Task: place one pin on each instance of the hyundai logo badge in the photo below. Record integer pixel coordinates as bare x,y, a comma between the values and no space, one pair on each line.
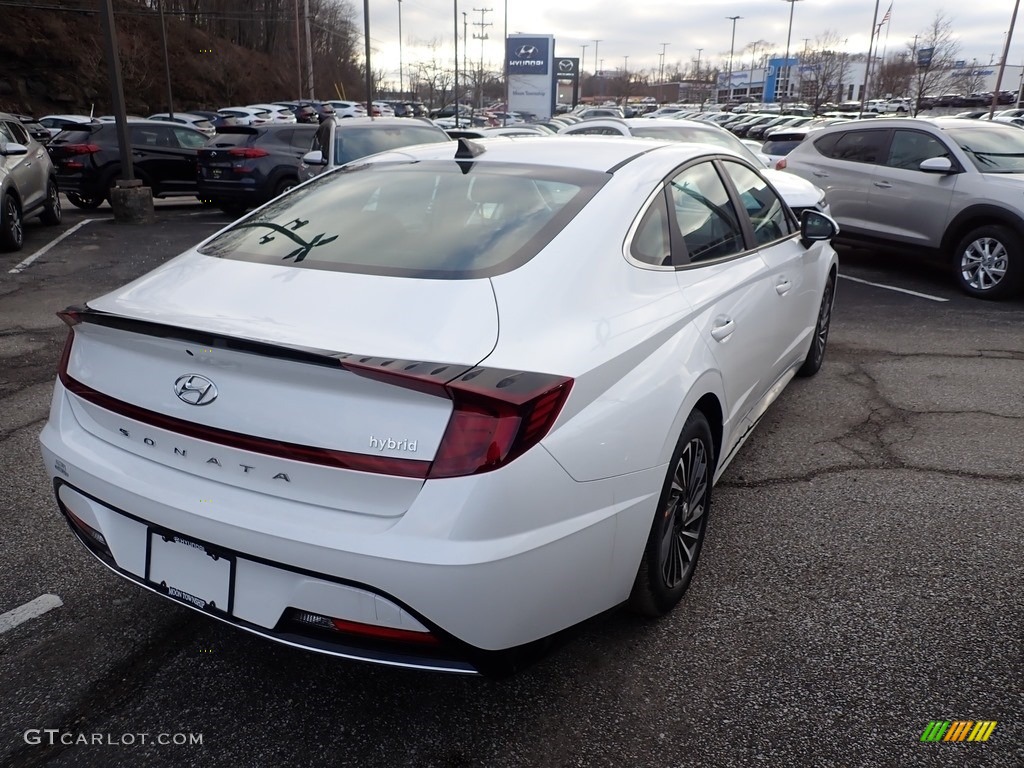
195,389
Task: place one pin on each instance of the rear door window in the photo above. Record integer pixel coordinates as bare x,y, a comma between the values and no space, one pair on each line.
867,146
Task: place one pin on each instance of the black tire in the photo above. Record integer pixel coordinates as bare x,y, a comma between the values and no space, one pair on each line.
12,228
52,212
680,522
284,185
816,354
84,202
988,262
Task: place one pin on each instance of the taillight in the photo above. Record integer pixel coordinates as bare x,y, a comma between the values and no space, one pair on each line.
81,149
247,152
71,317
497,415
781,164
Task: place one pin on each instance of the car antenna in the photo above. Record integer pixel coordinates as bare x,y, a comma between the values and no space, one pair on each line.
466,151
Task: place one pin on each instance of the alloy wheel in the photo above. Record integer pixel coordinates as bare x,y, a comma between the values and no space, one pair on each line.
824,318
13,217
683,515
983,263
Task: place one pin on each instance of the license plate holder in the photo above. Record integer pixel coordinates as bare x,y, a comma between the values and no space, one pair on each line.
190,572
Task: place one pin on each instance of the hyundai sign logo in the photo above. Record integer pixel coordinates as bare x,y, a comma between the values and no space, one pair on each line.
528,55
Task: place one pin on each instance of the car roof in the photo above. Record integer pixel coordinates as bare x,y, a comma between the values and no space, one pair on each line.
589,153
354,122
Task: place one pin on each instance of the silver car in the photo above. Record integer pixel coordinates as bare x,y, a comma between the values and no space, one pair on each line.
27,184
952,188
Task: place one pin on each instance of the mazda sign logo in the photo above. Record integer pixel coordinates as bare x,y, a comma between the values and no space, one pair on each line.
195,389
526,51
565,65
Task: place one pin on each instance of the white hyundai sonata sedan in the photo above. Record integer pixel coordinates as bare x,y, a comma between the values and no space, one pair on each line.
432,409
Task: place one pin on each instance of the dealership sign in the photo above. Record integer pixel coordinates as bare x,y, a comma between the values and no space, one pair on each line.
531,74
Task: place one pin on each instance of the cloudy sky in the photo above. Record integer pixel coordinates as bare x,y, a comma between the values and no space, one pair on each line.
637,29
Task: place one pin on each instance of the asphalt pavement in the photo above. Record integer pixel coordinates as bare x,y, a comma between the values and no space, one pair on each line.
861,577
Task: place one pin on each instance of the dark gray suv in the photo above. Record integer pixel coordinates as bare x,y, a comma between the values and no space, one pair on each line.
954,188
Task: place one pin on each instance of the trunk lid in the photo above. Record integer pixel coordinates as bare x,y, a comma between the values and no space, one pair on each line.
285,416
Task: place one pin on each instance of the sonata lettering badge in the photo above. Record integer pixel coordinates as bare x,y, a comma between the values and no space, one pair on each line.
528,55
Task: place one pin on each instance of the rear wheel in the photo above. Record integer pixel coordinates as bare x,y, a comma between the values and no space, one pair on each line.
51,210
284,185
84,201
989,262
12,232
677,533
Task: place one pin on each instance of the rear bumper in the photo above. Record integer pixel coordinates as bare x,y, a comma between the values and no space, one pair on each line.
458,564
247,190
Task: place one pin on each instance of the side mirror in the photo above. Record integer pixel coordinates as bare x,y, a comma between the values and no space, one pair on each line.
11,148
816,226
316,157
937,165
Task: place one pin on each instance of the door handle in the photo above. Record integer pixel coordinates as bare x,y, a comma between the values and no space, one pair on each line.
819,174
723,328
883,184
782,287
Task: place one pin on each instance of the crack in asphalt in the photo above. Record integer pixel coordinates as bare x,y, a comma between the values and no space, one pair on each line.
108,695
7,434
868,441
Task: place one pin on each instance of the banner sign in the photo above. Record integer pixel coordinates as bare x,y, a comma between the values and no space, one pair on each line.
924,56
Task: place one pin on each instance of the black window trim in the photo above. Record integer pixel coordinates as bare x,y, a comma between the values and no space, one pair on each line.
680,256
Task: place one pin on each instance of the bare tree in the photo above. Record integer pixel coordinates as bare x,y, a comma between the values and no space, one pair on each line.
942,49
895,75
823,70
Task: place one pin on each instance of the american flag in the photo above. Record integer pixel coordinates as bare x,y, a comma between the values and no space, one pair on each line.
887,15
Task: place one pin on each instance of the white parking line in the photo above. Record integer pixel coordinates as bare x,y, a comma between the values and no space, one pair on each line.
894,288
29,610
23,265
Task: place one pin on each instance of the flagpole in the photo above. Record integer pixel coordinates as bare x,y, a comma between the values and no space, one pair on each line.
867,69
887,20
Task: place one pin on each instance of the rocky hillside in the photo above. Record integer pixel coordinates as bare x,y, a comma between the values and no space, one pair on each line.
53,62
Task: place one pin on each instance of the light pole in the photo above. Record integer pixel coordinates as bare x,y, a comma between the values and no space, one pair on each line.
789,35
625,81
732,46
401,81
661,74
700,83
753,63
455,86
1002,62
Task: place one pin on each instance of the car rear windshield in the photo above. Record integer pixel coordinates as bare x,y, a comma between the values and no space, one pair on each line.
714,136
783,146
992,149
354,143
434,219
